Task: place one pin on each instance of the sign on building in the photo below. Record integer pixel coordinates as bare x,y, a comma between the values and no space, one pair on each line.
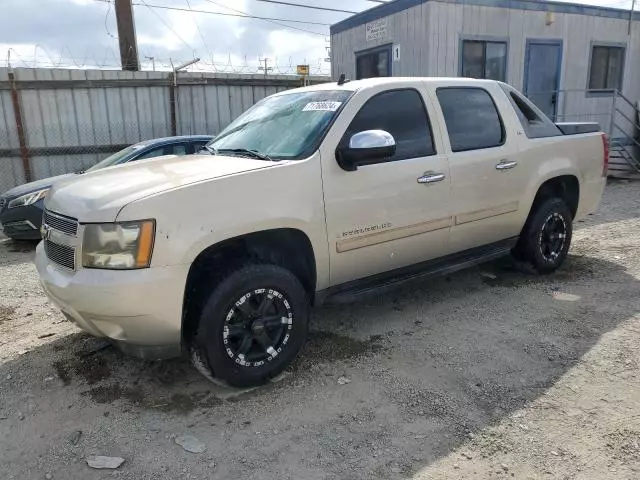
303,69
377,30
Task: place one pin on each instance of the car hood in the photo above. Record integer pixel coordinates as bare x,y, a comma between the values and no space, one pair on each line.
37,185
99,196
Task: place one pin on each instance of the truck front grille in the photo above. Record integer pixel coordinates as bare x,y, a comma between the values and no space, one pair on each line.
63,255
63,224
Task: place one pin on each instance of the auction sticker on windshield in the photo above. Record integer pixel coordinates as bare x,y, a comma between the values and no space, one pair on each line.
321,106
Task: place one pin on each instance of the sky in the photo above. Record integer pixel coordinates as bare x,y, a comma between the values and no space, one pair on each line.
83,33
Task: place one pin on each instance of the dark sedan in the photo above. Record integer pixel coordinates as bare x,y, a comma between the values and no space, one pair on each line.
21,207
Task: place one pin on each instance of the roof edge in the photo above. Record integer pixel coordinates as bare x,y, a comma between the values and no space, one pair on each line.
396,6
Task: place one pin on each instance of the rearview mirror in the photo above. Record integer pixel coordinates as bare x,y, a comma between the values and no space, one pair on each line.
366,147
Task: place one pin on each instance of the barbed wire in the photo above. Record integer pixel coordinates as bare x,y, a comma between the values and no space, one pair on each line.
217,64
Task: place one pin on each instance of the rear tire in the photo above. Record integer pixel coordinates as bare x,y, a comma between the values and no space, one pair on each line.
252,325
546,237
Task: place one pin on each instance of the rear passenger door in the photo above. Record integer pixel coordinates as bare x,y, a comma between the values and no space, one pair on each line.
483,154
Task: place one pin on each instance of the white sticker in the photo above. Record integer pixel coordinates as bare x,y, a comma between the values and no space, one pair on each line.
321,106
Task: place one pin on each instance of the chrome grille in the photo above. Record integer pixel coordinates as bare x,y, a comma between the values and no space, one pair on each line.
61,254
65,225
3,202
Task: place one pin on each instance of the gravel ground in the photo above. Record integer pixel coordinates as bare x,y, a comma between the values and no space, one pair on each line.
468,376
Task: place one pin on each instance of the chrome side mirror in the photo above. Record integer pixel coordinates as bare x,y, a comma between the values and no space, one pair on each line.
365,148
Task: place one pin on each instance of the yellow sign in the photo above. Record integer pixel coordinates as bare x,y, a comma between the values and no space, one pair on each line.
303,69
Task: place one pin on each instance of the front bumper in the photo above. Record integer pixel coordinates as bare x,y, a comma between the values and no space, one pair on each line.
22,223
139,310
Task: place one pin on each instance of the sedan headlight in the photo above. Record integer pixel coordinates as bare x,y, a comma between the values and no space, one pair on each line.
29,198
118,246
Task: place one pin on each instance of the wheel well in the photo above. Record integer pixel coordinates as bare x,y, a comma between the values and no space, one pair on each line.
288,248
565,187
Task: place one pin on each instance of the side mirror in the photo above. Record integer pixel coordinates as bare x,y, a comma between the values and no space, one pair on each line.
366,147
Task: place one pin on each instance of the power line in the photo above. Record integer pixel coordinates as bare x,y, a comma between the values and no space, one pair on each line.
327,9
166,24
238,15
200,32
271,20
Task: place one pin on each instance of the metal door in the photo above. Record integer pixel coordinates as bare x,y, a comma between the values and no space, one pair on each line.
542,74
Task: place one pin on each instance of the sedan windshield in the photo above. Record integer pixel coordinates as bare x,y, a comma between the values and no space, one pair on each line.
288,126
117,157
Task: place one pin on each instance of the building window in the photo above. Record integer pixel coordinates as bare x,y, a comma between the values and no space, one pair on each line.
484,59
374,63
607,64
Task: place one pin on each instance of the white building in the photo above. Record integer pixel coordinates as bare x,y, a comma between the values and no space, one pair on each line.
569,59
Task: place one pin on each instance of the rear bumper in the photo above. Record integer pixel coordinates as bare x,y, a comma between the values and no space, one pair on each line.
140,311
22,223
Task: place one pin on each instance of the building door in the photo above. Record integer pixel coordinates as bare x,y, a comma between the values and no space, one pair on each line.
542,74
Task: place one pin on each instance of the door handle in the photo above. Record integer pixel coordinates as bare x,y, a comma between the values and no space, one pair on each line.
506,165
431,177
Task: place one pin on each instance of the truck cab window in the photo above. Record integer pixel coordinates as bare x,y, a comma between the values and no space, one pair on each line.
534,122
471,117
403,115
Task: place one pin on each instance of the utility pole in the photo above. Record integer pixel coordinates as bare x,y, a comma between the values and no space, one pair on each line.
633,6
127,36
266,67
153,61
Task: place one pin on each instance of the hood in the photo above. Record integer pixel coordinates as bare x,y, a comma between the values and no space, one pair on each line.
99,196
37,185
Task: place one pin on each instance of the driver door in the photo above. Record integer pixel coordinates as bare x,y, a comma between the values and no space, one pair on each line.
394,211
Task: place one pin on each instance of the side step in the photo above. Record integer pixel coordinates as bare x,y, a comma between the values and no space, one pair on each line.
376,284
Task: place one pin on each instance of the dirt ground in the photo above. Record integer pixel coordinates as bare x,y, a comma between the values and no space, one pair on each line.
467,376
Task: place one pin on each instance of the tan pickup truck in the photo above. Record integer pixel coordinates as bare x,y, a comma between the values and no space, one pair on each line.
316,193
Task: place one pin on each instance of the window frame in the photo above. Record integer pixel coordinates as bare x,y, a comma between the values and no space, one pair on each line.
484,39
495,105
388,47
606,92
341,142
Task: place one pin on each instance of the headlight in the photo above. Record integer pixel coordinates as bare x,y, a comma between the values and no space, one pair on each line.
29,198
118,246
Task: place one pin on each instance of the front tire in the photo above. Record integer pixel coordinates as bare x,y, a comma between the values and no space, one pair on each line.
252,325
546,237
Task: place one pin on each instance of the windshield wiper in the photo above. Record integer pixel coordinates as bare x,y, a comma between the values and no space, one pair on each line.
211,150
248,152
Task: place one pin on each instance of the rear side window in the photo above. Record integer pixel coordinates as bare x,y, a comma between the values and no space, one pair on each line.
534,122
472,119
403,115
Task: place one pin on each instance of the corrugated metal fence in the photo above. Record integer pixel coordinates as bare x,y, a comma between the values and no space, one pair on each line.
55,121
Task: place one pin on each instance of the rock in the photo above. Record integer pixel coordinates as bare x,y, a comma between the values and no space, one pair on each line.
9,377
467,456
20,416
420,437
49,379
212,464
46,335
489,276
190,443
565,297
74,438
48,476
396,469
456,466
104,462
553,452
504,467
344,380
420,412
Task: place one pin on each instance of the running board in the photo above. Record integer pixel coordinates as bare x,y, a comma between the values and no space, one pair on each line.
376,284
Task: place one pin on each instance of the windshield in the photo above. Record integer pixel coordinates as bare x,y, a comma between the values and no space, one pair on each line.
116,157
283,127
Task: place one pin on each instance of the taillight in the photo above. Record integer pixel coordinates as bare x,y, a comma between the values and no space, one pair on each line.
605,159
